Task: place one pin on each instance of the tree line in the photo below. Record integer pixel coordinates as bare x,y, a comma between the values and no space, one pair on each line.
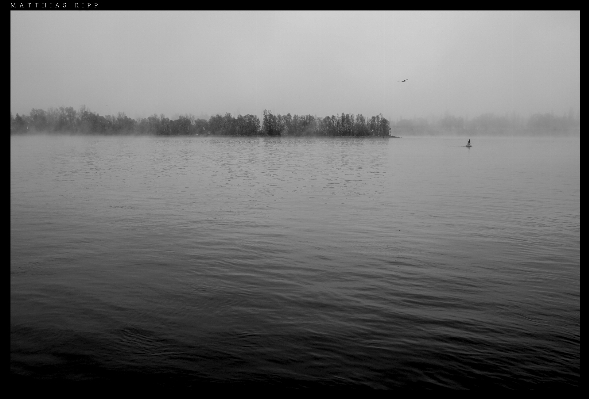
69,120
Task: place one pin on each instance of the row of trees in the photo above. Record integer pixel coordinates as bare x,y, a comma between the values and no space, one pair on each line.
488,124
67,119
340,125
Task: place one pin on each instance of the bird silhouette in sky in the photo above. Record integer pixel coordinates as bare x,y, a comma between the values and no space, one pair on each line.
404,80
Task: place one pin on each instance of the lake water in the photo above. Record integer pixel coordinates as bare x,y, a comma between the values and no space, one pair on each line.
283,262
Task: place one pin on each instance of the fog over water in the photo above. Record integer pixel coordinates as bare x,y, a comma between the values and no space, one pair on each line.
464,63
180,217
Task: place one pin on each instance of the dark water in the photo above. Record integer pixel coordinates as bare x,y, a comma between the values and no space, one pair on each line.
354,263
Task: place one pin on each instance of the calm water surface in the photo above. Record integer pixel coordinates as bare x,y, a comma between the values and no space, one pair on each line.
369,263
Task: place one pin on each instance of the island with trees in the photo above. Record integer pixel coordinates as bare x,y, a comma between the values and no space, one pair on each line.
83,121
69,120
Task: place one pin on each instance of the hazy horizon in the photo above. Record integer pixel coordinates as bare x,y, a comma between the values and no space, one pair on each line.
463,63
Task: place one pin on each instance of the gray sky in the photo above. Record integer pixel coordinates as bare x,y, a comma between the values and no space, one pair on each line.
320,63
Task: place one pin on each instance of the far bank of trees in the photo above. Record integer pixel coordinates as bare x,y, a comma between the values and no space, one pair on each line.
83,121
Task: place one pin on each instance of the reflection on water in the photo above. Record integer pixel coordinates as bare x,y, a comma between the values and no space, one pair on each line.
297,262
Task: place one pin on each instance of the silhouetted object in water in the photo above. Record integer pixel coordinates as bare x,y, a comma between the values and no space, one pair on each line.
404,80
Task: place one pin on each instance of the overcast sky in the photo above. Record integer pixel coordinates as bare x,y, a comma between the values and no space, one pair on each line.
320,63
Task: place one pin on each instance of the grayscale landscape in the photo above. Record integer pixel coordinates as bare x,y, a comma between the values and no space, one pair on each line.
341,200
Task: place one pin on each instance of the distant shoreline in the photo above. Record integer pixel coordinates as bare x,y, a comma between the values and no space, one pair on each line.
67,120
82,121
